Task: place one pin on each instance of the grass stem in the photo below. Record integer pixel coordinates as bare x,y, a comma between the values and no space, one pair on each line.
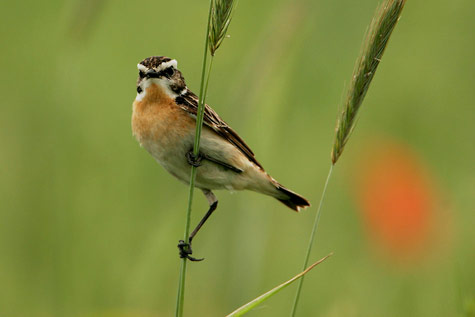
310,244
199,124
380,30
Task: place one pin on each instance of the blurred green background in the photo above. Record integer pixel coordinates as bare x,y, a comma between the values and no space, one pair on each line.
89,222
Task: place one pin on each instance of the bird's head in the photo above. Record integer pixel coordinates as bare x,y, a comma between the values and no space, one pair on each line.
161,71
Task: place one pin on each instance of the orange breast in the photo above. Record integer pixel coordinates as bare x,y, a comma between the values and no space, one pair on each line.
158,119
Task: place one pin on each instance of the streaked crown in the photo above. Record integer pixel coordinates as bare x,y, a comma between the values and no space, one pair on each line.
156,63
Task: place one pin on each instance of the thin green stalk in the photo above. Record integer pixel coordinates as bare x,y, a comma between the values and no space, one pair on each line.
199,123
376,39
312,239
207,78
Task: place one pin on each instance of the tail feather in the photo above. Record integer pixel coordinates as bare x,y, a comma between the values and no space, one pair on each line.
292,200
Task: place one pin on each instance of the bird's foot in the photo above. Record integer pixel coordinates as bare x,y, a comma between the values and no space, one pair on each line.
194,160
185,251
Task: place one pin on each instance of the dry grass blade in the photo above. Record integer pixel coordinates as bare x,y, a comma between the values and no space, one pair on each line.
374,44
220,20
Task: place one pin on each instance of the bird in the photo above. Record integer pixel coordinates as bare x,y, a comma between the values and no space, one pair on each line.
164,121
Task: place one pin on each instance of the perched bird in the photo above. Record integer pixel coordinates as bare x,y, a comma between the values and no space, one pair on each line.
164,121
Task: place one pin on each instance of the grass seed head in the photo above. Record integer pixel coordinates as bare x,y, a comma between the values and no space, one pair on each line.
221,14
375,42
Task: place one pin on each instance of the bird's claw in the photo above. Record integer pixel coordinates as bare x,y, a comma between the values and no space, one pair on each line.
194,160
186,251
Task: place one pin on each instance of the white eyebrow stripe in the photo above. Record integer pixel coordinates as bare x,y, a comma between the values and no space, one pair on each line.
141,67
161,67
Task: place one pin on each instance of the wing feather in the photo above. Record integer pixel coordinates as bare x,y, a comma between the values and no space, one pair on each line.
189,103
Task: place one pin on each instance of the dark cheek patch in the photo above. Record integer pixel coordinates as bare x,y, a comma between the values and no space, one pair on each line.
139,90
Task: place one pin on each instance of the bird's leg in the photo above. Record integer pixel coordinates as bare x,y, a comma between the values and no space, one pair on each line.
193,160
213,203
185,248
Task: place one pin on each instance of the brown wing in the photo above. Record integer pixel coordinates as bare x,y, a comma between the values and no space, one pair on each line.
189,103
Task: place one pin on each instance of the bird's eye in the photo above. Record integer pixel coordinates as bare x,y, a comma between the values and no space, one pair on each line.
139,89
141,74
169,71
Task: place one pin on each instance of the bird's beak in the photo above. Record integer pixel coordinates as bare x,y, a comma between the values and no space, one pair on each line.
151,73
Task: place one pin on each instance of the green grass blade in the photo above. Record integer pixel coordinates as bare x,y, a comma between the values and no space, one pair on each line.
259,300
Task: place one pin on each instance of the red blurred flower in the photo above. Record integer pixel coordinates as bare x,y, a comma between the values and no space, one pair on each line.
397,200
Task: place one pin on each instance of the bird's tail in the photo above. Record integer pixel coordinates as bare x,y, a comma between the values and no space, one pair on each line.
290,199
265,184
